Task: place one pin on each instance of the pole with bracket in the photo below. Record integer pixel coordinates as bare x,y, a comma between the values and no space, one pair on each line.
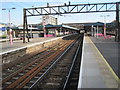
27,30
24,24
118,22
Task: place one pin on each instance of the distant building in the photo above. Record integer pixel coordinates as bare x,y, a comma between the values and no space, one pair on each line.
49,20
34,25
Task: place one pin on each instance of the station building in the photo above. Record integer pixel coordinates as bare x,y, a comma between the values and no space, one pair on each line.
36,30
89,27
49,20
50,30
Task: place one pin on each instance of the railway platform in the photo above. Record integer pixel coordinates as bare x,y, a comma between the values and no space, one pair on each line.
95,72
19,44
109,49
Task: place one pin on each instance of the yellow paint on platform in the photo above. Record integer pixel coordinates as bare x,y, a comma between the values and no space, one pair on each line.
103,67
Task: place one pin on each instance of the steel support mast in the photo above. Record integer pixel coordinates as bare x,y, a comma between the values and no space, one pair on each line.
71,9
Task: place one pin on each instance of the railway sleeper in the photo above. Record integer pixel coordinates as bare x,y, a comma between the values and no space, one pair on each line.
8,83
9,70
62,68
33,65
73,84
32,81
55,78
74,78
75,75
36,77
29,68
26,87
36,63
53,84
40,73
54,81
62,65
15,78
55,74
66,61
76,71
21,74
26,70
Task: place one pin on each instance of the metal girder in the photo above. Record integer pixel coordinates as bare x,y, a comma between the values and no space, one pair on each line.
69,9
118,22
77,8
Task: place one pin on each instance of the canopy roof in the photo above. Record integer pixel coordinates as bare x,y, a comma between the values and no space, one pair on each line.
48,26
94,24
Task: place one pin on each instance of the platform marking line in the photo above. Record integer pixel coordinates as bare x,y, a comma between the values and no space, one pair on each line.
81,66
116,77
25,47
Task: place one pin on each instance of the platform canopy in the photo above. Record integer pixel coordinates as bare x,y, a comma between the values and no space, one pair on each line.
49,26
94,24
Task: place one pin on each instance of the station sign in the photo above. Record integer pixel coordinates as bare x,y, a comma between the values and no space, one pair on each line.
2,28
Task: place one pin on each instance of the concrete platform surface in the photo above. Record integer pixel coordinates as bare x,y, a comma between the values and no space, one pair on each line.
94,72
109,49
5,46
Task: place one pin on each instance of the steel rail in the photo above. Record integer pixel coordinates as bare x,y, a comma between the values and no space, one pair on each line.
20,70
10,86
72,66
37,71
39,66
31,55
41,77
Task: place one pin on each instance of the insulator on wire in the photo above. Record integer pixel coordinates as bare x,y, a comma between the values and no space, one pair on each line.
69,2
47,4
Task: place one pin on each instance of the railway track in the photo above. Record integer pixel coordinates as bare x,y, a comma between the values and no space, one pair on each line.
7,70
27,59
65,73
26,76
71,82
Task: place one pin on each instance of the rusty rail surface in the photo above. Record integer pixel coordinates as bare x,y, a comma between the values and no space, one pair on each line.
24,79
58,76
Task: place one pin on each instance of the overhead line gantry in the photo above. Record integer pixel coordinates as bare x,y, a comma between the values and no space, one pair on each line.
72,9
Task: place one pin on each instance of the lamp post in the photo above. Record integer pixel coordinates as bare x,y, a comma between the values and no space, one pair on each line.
44,23
10,30
105,23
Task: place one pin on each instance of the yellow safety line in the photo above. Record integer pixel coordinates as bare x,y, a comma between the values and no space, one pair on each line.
116,77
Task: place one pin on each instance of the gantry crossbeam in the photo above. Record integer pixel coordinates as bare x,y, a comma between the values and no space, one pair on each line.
67,9
71,9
